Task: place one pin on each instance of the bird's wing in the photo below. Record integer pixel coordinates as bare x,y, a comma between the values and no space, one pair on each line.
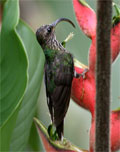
47,83
58,86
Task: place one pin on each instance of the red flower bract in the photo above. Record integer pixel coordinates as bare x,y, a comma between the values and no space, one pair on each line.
115,47
86,17
83,90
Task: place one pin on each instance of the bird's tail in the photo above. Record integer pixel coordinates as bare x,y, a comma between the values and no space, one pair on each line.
60,130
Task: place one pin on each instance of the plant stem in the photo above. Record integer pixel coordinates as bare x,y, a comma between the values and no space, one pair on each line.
103,76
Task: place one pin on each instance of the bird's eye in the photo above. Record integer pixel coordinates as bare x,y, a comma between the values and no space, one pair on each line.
49,30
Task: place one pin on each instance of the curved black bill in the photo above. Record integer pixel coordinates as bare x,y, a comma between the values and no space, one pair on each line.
62,19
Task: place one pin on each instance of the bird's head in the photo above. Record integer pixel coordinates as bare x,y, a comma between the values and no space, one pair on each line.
47,32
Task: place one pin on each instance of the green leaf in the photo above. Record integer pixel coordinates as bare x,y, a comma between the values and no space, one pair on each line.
118,109
13,63
117,9
36,145
36,64
83,2
116,18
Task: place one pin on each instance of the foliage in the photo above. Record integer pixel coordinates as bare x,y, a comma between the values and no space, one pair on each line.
22,63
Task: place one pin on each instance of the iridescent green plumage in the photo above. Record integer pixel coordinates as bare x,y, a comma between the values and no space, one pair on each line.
59,65
59,71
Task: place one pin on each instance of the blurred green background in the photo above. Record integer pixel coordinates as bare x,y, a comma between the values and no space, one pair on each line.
78,120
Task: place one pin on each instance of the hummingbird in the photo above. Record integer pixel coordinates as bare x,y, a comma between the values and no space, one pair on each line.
59,73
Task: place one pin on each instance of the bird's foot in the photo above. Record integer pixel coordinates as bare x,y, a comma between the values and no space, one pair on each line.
78,75
84,72
52,134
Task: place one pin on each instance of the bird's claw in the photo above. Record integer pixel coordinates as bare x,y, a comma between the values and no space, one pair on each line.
78,75
83,73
